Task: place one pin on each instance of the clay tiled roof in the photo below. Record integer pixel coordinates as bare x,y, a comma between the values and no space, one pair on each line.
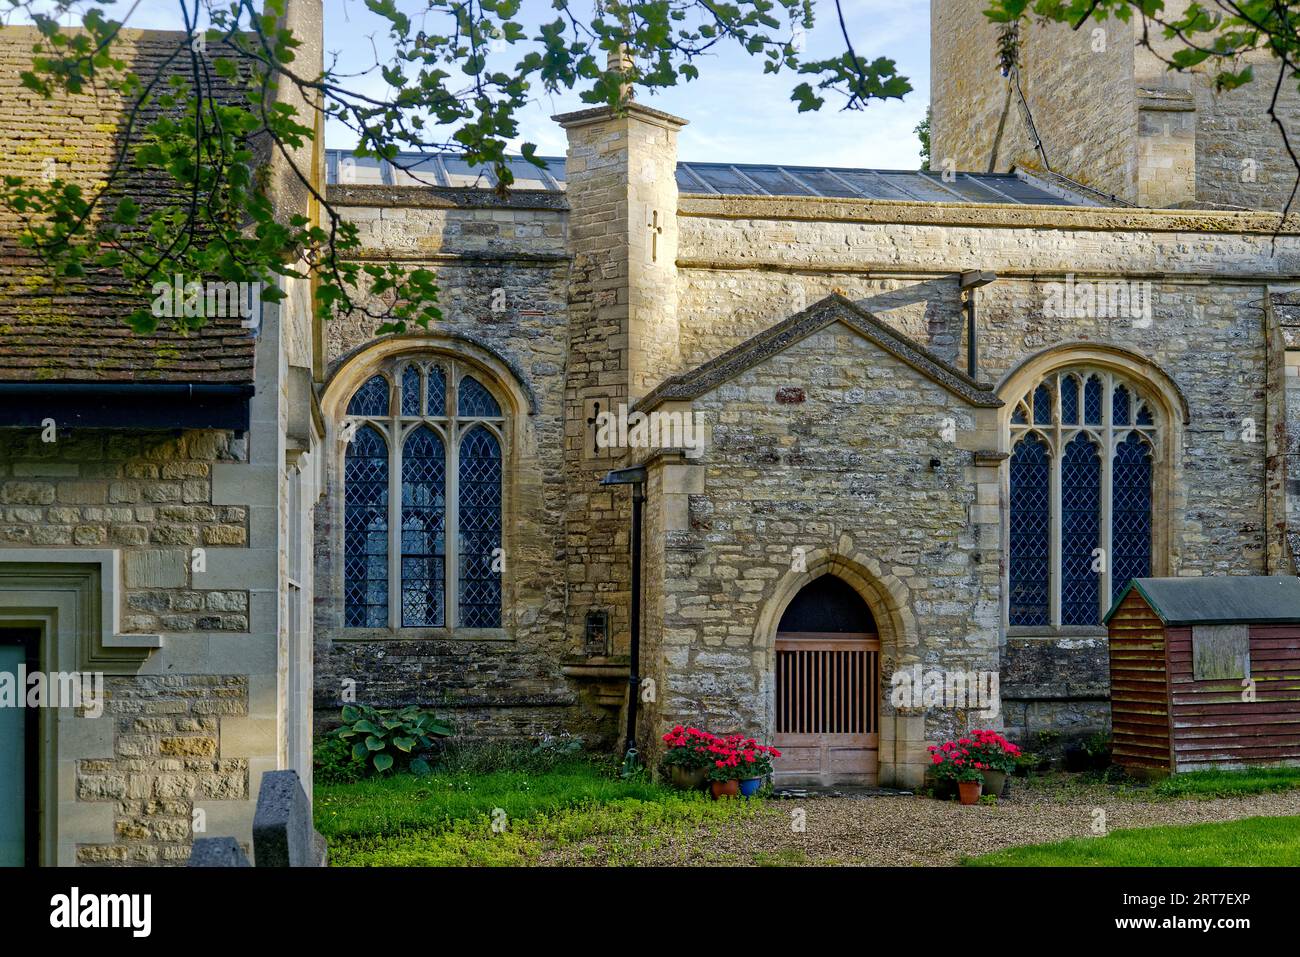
78,334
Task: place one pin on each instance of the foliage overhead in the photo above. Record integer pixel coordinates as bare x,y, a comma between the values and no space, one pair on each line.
233,95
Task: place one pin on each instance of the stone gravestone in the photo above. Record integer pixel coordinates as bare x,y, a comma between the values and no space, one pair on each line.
283,835
217,852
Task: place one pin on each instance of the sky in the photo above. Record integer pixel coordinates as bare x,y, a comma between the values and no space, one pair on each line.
736,113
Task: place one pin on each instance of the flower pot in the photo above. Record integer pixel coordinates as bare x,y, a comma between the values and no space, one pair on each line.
687,779
721,789
994,781
968,792
749,787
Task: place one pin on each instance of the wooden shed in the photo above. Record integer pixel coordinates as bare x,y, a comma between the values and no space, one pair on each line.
1205,672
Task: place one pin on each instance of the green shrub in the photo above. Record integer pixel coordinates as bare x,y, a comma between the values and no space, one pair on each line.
1097,745
387,739
332,762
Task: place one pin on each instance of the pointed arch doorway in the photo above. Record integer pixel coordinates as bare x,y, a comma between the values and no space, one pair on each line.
827,688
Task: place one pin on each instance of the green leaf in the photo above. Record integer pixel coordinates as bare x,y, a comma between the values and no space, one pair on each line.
374,744
127,212
404,743
383,762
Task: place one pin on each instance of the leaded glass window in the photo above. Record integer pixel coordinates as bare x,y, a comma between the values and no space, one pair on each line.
1081,496
424,514
480,529
423,490
1131,512
365,530
1031,530
1080,530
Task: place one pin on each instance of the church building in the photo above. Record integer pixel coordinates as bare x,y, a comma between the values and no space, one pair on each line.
898,441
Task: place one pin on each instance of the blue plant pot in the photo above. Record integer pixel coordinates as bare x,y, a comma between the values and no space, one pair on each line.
750,787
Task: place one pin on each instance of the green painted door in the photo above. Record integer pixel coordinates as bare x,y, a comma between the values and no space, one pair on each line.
15,760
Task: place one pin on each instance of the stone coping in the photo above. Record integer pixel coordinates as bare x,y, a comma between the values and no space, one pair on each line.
990,215
776,339
599,114
443,197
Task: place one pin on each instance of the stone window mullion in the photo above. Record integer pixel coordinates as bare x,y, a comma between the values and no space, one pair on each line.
1107,471
1104,432
453,524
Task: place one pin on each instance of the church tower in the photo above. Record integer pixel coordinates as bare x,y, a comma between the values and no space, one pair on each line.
1095,106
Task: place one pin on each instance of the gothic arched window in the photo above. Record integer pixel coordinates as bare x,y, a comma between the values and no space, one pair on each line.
423,499
1081,496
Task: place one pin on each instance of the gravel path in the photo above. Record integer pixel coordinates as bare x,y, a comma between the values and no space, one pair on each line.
911,831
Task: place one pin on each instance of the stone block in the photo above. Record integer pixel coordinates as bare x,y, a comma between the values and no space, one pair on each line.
283,835
155,568
217,852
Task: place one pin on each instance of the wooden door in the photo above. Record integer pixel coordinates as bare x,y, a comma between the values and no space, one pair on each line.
827,708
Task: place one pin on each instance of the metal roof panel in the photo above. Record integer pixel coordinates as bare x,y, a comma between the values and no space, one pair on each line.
726,179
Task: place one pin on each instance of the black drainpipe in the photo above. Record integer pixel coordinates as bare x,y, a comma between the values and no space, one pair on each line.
634,666
971,347
635,477
968,282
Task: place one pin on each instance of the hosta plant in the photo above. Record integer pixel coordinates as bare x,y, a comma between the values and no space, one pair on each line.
384,738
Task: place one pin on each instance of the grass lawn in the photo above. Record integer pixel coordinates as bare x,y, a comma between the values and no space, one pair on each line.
505,817
1228,783
1250,842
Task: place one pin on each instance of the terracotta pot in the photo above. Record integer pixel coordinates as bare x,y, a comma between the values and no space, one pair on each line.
687,779
968,792
721,789
994,782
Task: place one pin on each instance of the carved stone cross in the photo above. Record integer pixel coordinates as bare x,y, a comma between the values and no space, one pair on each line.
655,232
595,433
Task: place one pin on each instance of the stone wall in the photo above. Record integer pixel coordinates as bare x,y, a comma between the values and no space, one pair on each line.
1240,157
501,267
1208,276
1078,87
623,332
169,758
825,446
1109,113
194,725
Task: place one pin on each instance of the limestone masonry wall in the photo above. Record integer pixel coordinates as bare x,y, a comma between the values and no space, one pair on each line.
1205,331
826,447
501,269
194,728
1109,113
1078,86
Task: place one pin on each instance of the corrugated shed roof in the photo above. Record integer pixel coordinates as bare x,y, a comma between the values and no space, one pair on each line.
1221,600
727,179
77,334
